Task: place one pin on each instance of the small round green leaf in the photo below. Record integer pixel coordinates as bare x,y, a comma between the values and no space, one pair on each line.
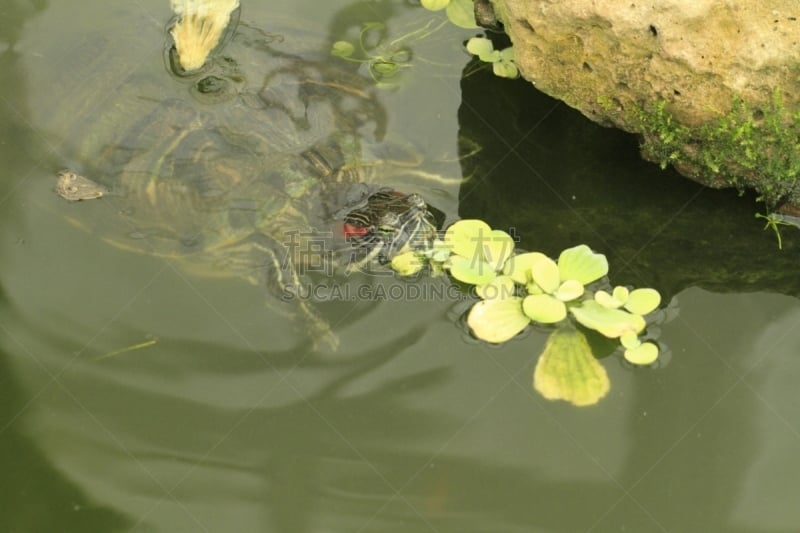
384,68
342,49
644,354
544,309
607,300
569,290
582,264
479,46
474,272
497,320
643,301
620,294
505,69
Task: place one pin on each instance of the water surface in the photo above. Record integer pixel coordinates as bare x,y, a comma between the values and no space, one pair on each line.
230,422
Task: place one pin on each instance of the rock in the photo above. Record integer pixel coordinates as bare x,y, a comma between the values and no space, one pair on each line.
712,87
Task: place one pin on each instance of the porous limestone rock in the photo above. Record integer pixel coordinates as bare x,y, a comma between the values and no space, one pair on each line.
713,86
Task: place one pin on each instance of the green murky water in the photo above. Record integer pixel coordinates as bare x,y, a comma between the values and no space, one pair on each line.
229,423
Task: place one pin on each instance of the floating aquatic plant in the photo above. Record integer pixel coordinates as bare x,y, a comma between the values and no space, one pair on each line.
502,61
518,289
384,59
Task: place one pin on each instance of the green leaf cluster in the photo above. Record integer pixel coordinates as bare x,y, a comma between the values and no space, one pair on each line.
459,12
502,61
517,289
384,59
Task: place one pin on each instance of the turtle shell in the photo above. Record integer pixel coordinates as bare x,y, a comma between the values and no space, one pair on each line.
239,152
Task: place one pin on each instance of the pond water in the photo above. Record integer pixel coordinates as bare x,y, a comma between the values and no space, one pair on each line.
221,417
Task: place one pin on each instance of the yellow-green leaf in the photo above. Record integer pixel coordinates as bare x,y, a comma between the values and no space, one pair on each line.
607,300
434,5
497,248
407,263
644,354
497,320
505,69
466,238
609,322
544,308
519,266
569,290
630,340
620,293
643,301
499,287
568,371
474,272
582,264
545,274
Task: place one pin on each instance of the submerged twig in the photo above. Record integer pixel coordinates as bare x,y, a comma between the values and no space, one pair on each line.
139,346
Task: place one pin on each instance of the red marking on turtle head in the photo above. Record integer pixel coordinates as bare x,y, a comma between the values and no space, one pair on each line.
351,230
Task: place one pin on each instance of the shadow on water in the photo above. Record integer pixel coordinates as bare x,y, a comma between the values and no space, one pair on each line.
561,180
36,496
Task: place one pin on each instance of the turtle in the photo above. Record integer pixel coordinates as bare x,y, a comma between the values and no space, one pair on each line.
234,179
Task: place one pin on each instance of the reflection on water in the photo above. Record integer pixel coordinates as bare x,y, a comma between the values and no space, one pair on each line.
229,423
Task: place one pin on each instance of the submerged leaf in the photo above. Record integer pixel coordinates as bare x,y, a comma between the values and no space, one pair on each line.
609,322
582,264
544,308
342,49
497,320
568,371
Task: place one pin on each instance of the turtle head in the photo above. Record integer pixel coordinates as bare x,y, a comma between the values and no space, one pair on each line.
389,223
